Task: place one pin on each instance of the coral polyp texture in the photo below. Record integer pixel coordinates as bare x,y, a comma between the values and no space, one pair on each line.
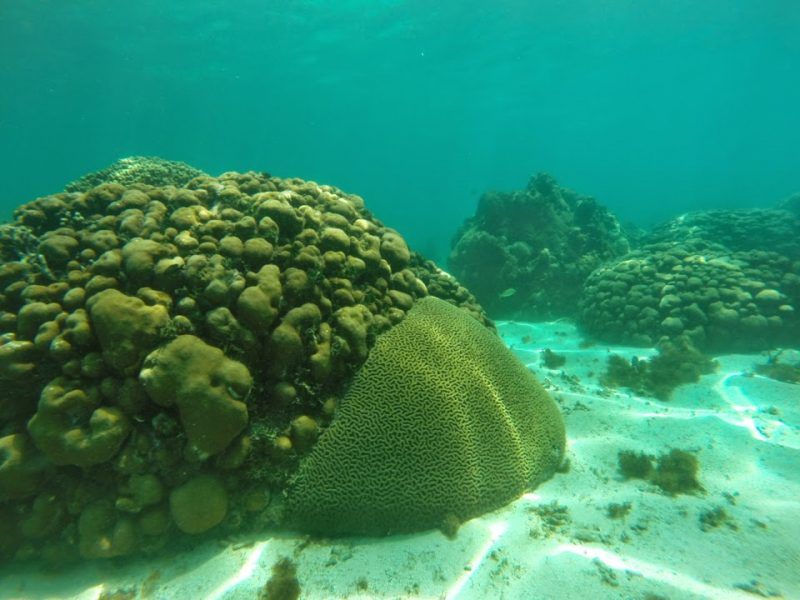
150,170
442,420
171,354
525,254
772,229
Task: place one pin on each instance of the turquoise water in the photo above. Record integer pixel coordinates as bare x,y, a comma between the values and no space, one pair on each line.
654,108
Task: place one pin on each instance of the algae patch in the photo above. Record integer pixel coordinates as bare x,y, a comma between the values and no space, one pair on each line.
776,369
678,362
675,472
283,584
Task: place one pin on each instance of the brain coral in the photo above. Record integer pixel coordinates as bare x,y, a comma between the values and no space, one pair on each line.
525,254
441,420
151,335
205,385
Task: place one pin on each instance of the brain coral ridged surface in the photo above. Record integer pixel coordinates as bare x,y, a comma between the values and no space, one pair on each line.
168,354
441,420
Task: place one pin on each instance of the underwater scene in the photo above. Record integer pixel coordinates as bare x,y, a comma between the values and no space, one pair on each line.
395,300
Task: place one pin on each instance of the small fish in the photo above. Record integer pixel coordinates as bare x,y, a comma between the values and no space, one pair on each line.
508,293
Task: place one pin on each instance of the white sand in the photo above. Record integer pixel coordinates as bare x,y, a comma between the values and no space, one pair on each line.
744,429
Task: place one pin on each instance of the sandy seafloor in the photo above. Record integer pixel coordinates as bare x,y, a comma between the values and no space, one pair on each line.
744,428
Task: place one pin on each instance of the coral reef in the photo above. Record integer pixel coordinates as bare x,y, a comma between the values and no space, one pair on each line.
150,170
199,504
209,394
742,230
168,355
441,421
525,254
723,300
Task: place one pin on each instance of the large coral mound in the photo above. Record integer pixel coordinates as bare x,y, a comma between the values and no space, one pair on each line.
724,300
168,354
525,254
442,420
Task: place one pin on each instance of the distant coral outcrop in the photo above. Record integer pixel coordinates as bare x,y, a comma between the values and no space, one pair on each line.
525,254
723,300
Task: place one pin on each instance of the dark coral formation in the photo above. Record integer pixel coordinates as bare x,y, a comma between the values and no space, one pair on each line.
150,170
168,355
775,230
723,300
389,463
525,254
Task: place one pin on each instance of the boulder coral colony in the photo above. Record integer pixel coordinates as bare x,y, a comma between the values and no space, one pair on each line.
175,347
727,280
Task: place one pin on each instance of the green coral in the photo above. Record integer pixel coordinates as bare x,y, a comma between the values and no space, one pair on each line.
104,533
22,467
126,328
286,343
18,375
199,504
207,388
441,420
395,250
257,305
72,427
